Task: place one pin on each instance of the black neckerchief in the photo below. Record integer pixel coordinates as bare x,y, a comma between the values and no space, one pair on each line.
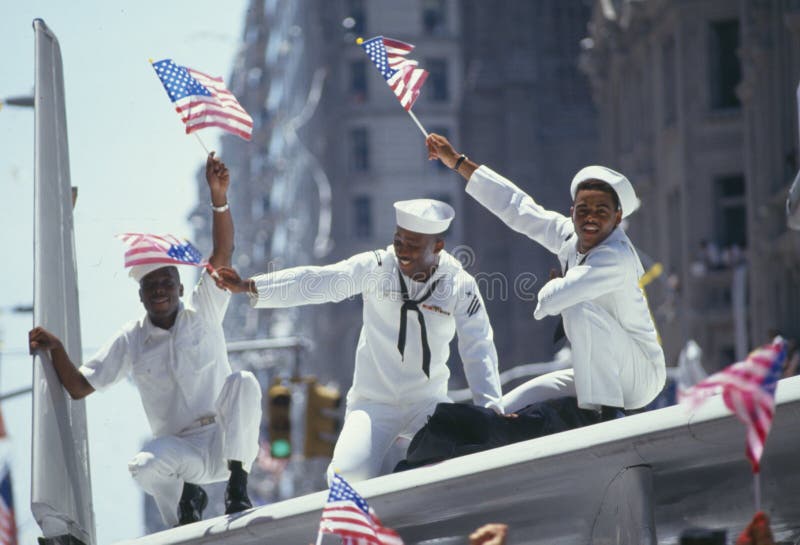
409,304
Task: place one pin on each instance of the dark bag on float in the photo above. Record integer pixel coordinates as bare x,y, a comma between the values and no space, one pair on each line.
456,429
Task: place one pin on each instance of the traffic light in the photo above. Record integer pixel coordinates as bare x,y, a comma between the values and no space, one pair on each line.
279,398
322,420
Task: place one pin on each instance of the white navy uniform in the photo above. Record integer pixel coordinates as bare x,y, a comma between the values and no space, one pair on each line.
617,359
201,414
391,394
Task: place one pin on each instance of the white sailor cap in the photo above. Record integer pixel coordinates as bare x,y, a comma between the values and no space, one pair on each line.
426,216
137,272
618,182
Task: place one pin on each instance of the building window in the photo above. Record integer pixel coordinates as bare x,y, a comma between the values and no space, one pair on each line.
254,77
434,16
362,217
262,119
359,149
731,211
676,238
258,163
727,356
251,36
436,86
725,71
669,82
358,13
358,81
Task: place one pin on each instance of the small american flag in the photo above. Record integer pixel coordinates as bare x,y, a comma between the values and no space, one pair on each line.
401,73
748,390
8,527
144,249
202,100
348,515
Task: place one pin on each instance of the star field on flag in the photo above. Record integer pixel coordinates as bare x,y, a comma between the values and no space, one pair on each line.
202,100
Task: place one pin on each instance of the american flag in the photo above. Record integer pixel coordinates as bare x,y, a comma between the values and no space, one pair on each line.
202,100
8,527
401,73
348,515
748,390
144,249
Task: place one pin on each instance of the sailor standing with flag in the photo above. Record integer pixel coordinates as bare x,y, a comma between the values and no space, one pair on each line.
416,297
616,357
204,418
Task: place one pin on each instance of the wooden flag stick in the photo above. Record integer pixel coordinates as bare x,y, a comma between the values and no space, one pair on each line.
757,490
424,132
201,143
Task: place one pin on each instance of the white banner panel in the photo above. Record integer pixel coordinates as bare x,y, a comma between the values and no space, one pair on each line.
61,496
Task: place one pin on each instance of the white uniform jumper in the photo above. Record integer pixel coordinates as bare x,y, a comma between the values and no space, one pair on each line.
393,393
200,413
617,359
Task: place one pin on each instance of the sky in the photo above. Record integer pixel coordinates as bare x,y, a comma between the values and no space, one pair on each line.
135,170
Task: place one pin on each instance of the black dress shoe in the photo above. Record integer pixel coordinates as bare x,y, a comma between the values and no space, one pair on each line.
190,508
236,499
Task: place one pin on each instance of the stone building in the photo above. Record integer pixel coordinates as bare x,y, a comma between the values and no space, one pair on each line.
696,105
527,113
518,103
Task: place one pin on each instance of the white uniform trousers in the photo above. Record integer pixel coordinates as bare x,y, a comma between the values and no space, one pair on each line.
608,367
199,455
372,432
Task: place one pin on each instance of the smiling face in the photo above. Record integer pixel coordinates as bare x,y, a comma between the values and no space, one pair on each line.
595,214
417,254
160,292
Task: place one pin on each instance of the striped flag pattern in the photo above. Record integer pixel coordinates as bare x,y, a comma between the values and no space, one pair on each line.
8,526
144,249
748,390
400,72
348,515
202,100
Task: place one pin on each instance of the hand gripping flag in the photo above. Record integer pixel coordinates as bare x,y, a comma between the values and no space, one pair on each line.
348,515
202,100
748,389
400,72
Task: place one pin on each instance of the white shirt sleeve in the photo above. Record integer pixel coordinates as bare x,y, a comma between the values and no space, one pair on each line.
476,347
111,363
518,210
603,272
208,300
314,285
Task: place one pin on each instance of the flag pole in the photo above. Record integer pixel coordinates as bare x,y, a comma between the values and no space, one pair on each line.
201,143
319,537
757,489
424,132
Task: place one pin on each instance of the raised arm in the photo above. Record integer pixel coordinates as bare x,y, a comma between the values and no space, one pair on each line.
73,381
218,180
440,148
501,197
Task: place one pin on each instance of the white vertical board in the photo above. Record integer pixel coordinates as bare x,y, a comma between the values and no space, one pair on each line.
61,498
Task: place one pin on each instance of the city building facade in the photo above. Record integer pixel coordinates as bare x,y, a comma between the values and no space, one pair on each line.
527,113
696,105
519,104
